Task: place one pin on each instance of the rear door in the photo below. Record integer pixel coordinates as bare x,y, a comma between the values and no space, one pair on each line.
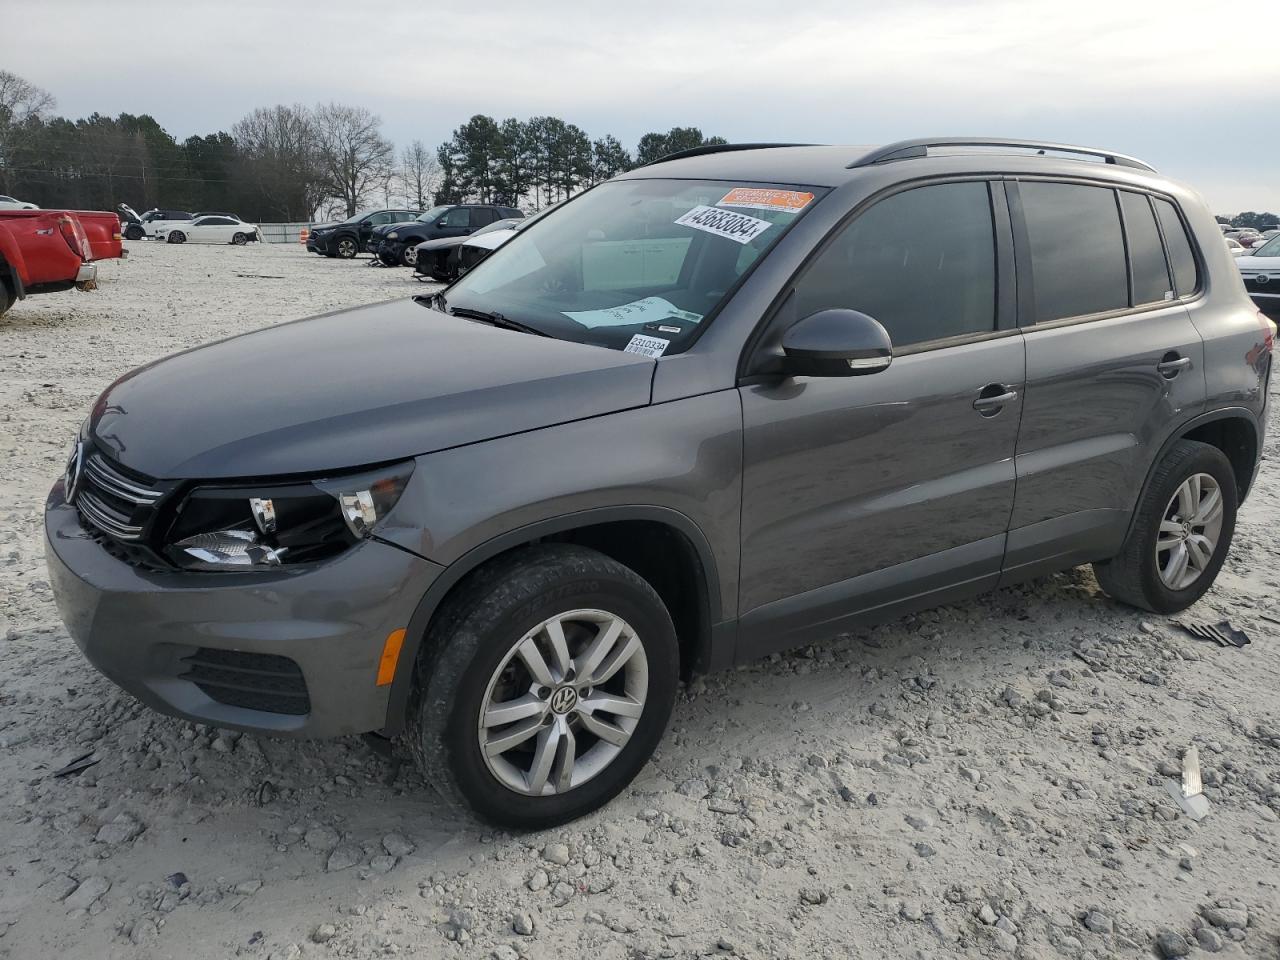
864,494
1112,360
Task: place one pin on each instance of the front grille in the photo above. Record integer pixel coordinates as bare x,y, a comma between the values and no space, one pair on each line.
1263,283
118,504
254,681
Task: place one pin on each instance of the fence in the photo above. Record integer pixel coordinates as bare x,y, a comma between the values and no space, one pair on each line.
282,232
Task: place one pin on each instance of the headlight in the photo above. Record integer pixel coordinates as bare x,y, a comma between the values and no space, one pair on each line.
393,235
238,528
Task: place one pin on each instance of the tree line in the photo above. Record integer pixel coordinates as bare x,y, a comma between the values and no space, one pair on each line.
297,162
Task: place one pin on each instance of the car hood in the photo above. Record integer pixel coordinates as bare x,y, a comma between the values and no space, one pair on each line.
441,243
1258,264
350,389
322,226
386,228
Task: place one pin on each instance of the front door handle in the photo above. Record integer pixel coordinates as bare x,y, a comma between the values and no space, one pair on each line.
993,398
1172,365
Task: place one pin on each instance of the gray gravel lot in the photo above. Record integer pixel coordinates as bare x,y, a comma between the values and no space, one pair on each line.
986,779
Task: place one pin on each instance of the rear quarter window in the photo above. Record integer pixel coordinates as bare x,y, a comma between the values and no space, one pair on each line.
1186,275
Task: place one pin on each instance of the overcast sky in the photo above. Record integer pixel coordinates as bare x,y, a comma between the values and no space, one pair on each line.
1191,87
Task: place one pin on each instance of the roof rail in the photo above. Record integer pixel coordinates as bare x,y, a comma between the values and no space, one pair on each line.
719,148
908,149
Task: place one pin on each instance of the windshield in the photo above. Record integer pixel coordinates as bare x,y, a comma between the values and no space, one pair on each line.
431,214
634,265
1269,249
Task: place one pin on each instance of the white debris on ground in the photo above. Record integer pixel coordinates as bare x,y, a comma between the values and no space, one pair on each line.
987,779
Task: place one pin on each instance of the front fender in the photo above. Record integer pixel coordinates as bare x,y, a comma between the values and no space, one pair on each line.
678,463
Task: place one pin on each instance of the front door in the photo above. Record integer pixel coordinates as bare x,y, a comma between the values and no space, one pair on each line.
865,495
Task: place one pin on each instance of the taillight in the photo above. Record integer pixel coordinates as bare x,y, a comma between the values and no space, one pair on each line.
73,232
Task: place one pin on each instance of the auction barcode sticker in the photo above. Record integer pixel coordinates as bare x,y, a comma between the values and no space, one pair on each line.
763,199
646,346
737,227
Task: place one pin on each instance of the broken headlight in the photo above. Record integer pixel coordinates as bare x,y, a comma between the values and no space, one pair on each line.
261,526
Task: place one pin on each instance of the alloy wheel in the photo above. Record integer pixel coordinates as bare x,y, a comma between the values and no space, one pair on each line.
346,248
563,703
1189,533
410,256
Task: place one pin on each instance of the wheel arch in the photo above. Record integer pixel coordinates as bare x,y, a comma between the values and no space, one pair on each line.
662,545
1233,430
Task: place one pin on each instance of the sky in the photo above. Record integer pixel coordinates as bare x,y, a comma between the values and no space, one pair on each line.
1182,85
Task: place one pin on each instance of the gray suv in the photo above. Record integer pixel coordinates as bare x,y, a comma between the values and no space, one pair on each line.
734,401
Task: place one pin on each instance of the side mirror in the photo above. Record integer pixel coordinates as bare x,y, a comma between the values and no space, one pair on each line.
836,343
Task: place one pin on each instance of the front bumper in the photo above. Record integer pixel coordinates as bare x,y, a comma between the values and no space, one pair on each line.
144,629
318,244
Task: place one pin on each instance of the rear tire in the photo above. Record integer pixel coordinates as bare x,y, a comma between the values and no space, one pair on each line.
476,657
1176,519
7,296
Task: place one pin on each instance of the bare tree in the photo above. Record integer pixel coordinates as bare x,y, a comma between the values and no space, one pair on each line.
280,157
23,107
354,154
419,174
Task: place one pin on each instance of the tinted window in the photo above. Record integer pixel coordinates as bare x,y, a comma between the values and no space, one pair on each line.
1077,250
457,217
922,262
1146,254
380,218
1185,274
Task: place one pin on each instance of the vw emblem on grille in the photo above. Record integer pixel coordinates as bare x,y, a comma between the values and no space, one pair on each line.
71,476
564,700
1261,279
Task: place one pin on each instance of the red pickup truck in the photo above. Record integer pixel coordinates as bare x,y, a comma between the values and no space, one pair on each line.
45,251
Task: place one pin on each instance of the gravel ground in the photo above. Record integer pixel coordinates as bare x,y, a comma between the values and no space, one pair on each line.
985,779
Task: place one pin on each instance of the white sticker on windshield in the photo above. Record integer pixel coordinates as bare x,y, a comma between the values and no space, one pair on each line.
637,311
729,224
646,346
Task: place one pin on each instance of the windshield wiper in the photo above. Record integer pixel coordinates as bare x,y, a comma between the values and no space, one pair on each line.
495,320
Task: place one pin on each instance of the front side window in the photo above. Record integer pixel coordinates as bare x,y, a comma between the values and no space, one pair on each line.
1151,281
378,219
1185,272
1077,249
652,258
922,262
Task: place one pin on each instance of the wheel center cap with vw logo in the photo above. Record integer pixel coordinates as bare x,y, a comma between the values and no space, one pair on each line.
563,700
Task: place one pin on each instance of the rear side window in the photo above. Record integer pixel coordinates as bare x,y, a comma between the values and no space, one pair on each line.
1146,254
1077,249
922,262
1185,273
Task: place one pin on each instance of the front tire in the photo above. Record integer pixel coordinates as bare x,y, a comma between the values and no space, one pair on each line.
544,686
176,236
347,247
409,255
239,239
1181,532
134,232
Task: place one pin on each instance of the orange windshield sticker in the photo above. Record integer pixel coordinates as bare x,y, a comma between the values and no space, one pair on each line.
763,199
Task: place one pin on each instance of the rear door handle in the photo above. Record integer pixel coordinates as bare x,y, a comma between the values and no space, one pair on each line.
991,404
1171,366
